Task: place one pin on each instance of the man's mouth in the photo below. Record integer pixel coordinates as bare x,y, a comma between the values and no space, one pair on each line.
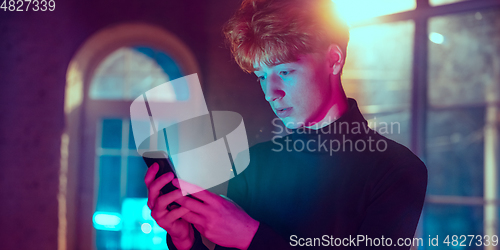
284,112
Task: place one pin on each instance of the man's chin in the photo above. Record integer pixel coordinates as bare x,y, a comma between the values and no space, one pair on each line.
291,123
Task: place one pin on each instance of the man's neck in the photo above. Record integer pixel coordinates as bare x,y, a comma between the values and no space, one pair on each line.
338,108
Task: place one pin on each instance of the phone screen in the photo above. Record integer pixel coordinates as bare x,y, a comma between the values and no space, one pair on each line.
165,166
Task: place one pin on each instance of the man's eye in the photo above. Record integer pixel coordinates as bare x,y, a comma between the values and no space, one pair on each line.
260,78
284,72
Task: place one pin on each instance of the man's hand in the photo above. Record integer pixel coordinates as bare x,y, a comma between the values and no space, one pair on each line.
181,231
217,218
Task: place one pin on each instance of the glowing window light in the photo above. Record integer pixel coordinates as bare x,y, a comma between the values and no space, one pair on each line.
146,228
107,221
353,11
436,38
139,229
157,240
146,213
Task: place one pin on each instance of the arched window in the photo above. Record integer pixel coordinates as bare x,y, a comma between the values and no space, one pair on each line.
121,218
128,72
112,68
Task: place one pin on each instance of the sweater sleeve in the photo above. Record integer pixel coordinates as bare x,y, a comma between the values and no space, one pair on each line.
197,245
396,202
265,237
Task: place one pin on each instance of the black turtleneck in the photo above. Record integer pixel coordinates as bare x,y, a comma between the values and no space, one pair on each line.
335,184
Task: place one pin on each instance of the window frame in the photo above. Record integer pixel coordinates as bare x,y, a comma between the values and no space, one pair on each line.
419,106
77,196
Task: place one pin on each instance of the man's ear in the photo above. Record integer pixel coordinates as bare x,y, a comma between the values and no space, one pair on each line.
335,59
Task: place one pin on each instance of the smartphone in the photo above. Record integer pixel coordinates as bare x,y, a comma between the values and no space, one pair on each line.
165,166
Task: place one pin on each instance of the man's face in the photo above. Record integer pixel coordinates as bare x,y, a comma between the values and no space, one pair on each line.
300,92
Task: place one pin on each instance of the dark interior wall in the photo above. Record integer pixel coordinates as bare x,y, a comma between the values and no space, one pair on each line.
35,50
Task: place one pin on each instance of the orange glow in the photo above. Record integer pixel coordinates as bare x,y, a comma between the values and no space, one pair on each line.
442,2
353,11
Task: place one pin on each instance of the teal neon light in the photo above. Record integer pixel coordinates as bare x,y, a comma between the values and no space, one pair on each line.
107,221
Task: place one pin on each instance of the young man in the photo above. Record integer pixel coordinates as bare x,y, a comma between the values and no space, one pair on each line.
344,185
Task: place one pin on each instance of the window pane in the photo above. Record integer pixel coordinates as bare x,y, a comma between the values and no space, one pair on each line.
138,83
130,71
114,63
377,72
111,133
107,240
131,140
455,152
108,197
136,170
168,65
464,58
141,59
443,220
395,126
108,87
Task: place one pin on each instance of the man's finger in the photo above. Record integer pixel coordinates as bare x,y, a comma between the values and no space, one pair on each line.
155,187
163,201
194,218
192,204
196,191
157,213
175,215
159,183
151,173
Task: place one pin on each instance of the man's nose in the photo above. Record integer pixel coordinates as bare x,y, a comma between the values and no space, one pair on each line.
274,88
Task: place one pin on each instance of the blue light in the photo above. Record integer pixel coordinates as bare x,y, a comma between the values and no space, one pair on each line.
140,231
436,38
146,213
146,228
157,240
107,221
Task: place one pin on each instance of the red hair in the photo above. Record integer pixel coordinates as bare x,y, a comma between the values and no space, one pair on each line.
277,31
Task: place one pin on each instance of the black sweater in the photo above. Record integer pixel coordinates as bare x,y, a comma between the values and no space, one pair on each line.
330,186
